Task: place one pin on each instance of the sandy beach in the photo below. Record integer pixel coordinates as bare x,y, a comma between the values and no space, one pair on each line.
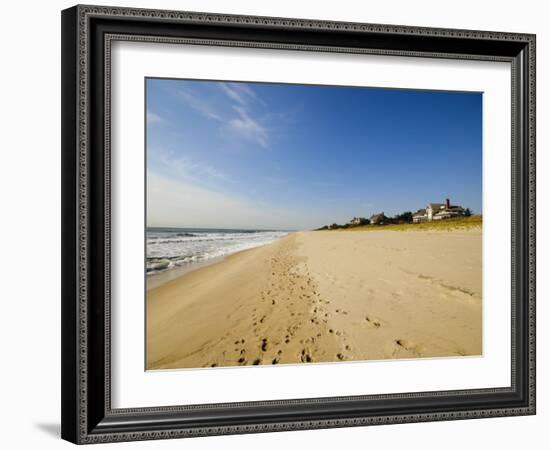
324,296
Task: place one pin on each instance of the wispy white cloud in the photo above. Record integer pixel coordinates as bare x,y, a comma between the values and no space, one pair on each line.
180,203
185,192
240,93
237,117
200,105
153,118
248,128
186,168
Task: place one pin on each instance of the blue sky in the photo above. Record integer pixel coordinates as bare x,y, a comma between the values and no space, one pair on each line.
279,156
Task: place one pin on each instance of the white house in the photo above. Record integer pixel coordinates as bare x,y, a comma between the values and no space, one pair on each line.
433,208
438,211
452,212
420,216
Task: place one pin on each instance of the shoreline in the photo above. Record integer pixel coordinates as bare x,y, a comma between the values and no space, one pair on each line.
323,297
157,279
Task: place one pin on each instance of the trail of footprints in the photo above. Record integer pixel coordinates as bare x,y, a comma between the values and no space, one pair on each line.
307,321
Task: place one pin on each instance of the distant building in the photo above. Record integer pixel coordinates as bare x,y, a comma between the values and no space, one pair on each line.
358,221
438,211
420,216
377,219
433,208
450,213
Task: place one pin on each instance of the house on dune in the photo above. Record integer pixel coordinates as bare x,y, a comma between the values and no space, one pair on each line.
438,211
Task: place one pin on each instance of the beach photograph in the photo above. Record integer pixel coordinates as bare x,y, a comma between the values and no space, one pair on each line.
303,224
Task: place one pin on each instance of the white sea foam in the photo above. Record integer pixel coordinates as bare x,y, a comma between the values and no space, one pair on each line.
168,248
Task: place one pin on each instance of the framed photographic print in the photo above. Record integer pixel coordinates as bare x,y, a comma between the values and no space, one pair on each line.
279,224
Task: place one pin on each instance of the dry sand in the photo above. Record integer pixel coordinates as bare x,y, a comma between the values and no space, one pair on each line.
324,297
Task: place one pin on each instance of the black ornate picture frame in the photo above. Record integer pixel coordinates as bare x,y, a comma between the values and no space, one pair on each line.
87,34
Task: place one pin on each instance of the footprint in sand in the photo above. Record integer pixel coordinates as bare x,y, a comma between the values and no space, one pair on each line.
305,356
407,347
373,322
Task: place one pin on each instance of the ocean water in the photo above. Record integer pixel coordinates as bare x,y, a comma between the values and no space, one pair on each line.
170,248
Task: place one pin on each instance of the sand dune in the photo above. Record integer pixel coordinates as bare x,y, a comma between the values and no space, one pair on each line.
323,297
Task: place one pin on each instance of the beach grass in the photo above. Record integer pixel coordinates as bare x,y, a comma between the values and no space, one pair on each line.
437,225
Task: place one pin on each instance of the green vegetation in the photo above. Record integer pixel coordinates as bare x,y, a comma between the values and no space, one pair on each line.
443,225
406,217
